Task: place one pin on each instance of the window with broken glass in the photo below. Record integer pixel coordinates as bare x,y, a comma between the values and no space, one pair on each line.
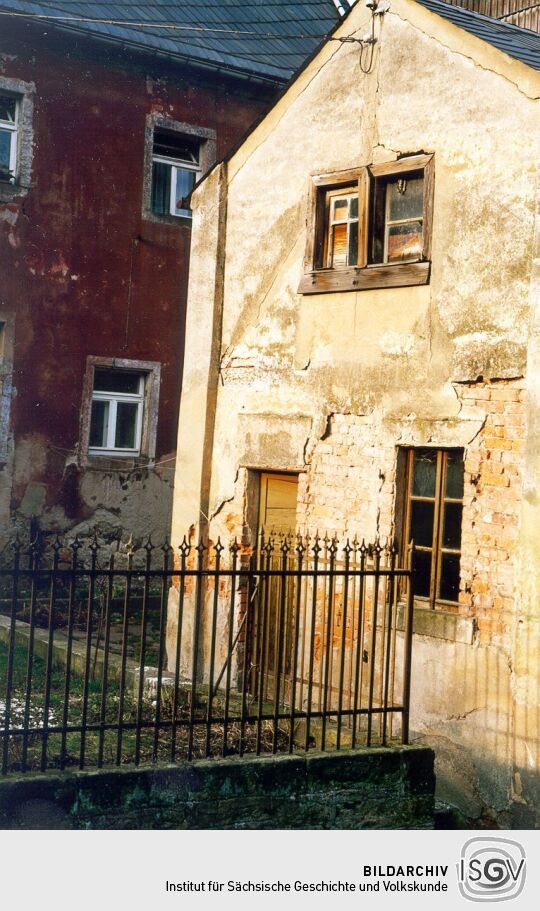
175,171
117,413
9,115
433,516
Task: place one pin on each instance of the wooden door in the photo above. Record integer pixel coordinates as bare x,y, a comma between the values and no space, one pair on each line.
277,507
277,517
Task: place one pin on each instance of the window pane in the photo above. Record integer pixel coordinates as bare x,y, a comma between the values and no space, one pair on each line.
404,242
353,213
161,188
421,529
449,577
452,525
5,146
454,475
99,422
422,567
116,381
174,145
339,245
185,181
126,423
8,108
340,209
405,198
353,243
424,473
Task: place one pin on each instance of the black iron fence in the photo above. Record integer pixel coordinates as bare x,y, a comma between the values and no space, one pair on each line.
154,655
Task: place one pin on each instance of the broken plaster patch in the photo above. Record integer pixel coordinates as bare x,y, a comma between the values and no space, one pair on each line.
9,215
33,501
397,344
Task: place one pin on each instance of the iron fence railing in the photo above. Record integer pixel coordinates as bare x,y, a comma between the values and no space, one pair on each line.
158,655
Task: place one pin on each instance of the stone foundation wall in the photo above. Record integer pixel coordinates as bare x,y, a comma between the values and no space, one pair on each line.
363,789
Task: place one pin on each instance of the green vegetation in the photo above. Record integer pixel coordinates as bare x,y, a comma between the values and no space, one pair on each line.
108,742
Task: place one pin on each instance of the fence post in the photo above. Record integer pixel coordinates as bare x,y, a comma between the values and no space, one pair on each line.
407,649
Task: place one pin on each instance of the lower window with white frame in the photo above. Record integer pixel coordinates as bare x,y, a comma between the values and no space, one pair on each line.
116,418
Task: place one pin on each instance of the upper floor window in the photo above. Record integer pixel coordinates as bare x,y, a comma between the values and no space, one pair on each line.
370,227
176,155
432,518
9,119
175,171
117,412
16,136
341,240
397,218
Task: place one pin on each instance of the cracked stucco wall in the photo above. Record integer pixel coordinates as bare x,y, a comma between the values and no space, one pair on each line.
329,385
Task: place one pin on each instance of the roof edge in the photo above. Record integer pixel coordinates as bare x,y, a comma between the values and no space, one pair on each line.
245,75
286,88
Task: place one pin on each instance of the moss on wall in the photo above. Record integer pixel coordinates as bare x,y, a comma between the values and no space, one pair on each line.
361,789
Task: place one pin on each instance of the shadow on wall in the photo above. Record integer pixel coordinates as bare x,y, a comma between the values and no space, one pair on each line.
487,744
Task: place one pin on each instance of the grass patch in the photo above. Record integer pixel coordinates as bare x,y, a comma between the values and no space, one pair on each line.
116,746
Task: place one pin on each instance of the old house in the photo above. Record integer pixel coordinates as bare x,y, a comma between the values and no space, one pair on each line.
362,356
106,123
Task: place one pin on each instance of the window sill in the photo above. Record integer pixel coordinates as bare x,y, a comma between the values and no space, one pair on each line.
9,191
176,220
116,463
439,624
399,275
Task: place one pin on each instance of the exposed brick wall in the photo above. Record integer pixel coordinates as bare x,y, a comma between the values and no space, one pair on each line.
349,486
493,491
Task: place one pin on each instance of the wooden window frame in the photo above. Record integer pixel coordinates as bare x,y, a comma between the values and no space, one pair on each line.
437,547
318,278
332,223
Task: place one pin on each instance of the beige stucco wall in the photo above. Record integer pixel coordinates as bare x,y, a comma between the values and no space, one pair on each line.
267,369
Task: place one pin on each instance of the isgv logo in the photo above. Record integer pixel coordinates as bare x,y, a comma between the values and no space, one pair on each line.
491,869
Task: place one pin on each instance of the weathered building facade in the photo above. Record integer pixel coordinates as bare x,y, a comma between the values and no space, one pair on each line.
363,329
103,132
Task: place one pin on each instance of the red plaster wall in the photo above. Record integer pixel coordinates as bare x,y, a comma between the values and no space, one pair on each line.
79,240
